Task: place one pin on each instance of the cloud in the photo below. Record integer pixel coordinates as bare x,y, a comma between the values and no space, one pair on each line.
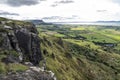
17,3
5,13
65,1
56,3
116,1
61,18
101,10
22,2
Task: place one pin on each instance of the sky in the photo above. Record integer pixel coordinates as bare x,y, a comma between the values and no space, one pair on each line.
61,10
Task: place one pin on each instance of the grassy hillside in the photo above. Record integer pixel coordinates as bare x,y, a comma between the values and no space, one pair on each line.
74,59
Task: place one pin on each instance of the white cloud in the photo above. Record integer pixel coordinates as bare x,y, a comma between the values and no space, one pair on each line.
85,10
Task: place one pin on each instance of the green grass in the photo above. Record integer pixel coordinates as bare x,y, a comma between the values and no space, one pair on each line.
83,43
59,35
79,28
2,68
17,67
99,33
3,19
97,37
5,68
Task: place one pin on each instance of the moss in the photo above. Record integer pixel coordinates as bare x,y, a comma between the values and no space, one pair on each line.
14,53
3,30
12,67
3,19
9,52
16,67
2,68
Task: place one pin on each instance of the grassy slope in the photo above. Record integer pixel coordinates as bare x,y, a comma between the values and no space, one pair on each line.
72,61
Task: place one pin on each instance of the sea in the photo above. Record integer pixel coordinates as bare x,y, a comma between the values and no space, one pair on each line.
90,23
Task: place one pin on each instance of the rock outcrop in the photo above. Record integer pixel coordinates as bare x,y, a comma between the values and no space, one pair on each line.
21,38
20,44
33,73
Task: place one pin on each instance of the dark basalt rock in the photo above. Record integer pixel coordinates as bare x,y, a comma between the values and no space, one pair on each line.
30,45
24,40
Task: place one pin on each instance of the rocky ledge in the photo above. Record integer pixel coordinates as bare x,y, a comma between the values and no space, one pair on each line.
33,73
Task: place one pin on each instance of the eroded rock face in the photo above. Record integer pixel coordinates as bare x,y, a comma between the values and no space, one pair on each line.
29,43
24,40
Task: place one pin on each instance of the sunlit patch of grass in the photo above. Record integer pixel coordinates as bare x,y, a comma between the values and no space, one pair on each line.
59,35
16,67
83,43
99,37
116,37
79,28
2,68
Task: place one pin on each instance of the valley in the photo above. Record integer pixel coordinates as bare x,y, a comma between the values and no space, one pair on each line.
79,52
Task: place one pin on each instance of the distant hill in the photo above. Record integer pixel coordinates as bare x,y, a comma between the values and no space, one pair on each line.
108,21
38,22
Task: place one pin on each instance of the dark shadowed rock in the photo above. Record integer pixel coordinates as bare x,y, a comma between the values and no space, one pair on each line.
23,39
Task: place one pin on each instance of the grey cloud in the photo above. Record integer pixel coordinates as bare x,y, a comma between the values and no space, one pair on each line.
2,1
52,17
22,2
65,1
5,13
101,10
56,3
17,3
61,18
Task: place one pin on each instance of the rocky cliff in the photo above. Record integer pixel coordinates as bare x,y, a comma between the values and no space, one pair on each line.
19,43
21,38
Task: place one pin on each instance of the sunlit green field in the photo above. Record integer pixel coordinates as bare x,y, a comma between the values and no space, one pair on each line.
99,33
